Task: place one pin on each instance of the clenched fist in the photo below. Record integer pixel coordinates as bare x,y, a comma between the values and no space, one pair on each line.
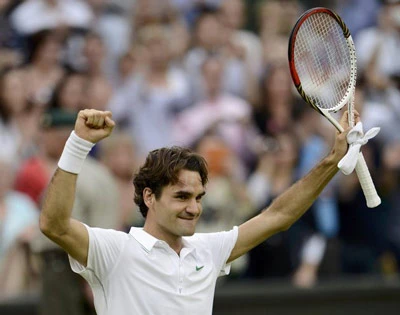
94,125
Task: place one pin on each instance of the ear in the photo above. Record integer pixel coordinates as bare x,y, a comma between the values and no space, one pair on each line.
148,197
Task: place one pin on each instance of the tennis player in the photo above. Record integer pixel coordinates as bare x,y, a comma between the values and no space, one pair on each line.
164,267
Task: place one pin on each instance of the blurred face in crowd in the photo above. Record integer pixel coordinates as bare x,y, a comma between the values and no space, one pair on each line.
126,65
286,155
94,50
208,31
71,93
4,4
53,140
96,5
232,12
97,94
149,11
119,156
49,50
391,13
51,3
212,76
11,87
180,42
278,86
217,154
158,52
278,17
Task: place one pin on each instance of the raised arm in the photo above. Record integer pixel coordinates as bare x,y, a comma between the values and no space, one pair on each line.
293,203
55,218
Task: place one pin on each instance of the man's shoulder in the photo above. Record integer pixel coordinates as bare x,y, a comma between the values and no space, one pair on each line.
206,238
107,233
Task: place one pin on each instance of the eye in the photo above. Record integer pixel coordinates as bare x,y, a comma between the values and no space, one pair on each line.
181,197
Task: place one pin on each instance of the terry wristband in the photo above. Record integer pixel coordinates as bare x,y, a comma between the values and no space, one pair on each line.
75,151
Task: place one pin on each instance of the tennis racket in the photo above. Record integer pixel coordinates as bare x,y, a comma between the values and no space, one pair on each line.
323,66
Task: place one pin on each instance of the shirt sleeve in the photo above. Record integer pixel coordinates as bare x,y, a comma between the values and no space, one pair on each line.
105,247
221,245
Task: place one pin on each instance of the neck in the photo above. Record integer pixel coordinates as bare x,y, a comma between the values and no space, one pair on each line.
175,242
95,69
158,70
43,66
213,95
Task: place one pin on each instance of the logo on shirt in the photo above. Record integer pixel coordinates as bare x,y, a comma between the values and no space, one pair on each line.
199,268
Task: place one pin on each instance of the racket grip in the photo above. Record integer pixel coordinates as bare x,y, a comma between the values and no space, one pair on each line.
367,185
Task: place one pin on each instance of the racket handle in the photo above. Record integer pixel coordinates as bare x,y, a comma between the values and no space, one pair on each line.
367,185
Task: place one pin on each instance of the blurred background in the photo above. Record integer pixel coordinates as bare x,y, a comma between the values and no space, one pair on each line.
211,75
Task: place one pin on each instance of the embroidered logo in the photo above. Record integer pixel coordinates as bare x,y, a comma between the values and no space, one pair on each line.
199,268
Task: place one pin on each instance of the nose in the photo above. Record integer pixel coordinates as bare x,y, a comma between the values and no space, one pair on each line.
193,207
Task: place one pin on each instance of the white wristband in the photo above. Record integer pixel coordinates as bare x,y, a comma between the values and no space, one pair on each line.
75,151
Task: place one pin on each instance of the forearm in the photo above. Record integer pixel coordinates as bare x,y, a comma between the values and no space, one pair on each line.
58,203
295,201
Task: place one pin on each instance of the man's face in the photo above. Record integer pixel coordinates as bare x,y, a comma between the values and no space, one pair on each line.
176,212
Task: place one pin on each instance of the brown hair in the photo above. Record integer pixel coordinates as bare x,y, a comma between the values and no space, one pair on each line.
161,169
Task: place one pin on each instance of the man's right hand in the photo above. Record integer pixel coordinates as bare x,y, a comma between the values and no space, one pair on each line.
94,125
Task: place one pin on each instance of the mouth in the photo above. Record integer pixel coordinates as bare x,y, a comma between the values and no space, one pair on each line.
187,219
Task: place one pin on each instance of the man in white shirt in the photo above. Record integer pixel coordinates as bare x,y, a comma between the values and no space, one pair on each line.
164,268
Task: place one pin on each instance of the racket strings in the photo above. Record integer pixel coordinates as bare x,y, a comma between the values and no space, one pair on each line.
323,61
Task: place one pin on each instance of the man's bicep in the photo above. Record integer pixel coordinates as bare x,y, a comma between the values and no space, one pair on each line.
255,231
75,241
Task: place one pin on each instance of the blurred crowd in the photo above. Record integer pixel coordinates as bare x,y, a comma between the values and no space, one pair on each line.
208,74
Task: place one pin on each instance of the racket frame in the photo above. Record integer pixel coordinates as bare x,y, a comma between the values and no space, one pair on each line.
367,185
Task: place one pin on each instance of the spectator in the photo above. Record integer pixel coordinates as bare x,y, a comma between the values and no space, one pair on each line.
151,100
126,67
69,93
19,221
321,224
233,17
227,203
276,21
391,183
275,172
62,291
148,12
12,45
276,111
43,71
17,121
209,40
118,154
381,70
98,87
114,28
226,114
358,14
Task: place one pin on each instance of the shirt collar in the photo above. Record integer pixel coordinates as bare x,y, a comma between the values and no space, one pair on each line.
148,241
145,239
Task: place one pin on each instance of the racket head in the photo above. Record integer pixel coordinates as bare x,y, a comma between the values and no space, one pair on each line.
322,60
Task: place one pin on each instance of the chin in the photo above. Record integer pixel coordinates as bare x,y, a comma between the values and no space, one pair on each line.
187,232
187,228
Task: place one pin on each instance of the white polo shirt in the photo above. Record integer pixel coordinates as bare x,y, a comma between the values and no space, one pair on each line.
136,273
